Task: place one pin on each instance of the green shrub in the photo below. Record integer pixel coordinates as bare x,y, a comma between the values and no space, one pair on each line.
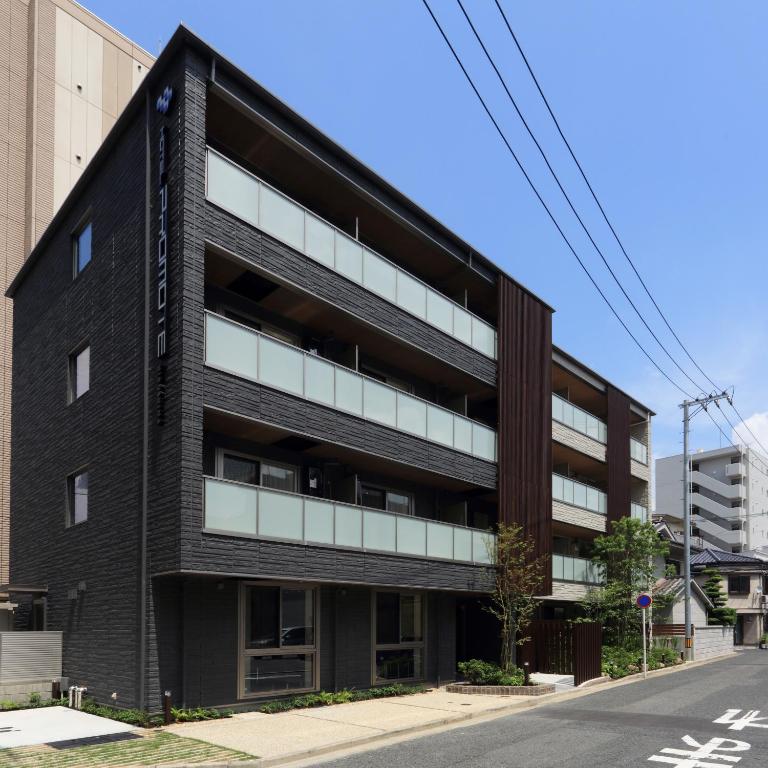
35,701
479,672
197,714
144,719
619,661
326,698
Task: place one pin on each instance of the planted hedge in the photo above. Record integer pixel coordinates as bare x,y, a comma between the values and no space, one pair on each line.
326,698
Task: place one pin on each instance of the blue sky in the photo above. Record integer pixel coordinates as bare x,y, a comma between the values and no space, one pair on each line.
665,104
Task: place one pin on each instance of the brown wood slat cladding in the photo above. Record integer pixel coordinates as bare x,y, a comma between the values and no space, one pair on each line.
617,455
525,416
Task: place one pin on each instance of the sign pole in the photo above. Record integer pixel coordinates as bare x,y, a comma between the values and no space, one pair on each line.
645,657
644,601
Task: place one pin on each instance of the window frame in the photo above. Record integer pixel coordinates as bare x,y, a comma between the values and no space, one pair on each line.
69,520
82,225
421,645
740,577
72,395
244,653
386,490
260,460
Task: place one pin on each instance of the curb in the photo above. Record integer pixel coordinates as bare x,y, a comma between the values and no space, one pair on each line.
585,689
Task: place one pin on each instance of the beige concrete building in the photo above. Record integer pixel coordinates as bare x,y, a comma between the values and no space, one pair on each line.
65,76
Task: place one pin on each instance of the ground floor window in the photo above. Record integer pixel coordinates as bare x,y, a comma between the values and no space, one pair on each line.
399,634
278,639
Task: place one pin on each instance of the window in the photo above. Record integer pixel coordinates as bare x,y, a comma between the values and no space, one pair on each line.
258,325
278,640
79,373
81,249
77,501
738,585
248,469
385,378
380,498
399,632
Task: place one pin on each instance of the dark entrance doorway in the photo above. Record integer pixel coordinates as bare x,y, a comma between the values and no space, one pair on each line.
738,631
477,632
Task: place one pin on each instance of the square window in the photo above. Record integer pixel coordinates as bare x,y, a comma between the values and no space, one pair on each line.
79,373
77,504
82,249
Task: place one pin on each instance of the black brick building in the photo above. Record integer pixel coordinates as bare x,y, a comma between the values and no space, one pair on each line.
266,412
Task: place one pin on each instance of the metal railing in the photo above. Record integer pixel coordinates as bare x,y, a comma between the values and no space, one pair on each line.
579,494
246,196
240,509
240,350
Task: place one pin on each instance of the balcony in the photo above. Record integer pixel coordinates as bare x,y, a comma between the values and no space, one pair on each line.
237,349
578,419
576,569
239,509
249,198
639,512
579,495
735,470
638,451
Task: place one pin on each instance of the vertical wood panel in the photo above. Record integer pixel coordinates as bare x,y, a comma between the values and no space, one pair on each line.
617,455
525,416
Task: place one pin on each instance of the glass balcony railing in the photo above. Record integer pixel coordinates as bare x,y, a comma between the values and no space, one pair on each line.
579,419
579,495
240,509
638,451
246,196
566,568
237,349
639,512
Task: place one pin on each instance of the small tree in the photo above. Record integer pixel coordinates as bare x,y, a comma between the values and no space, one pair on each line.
519,575
626,557
713,589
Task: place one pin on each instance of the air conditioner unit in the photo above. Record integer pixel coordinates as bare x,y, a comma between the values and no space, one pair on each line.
764,602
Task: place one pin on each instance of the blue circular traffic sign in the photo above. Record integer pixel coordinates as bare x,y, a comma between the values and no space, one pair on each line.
644,601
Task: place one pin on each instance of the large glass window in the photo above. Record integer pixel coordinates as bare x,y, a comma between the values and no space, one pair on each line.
278,639
380,498
77,501
250,469
399,632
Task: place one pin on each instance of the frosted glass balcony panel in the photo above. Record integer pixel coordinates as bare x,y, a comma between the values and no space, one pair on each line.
232,189
349,526
462,325
318,521
281,218
462,544
379,403
379,531
411,536
319,241
349,258
462,434
281,366
483,442
558,567
440,312
411,295
349,392
280,515
482,547
483,337
379,276
557,487
580,495
440,426
440,541
319,380
231,347
557,409
230,507
411,415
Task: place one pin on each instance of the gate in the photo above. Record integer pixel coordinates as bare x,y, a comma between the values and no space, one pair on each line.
559,647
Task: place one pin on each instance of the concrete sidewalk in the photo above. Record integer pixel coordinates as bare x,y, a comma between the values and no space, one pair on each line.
297,733
303,736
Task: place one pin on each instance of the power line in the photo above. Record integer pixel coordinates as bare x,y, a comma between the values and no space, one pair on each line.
596,199
543,204
568,199
746,426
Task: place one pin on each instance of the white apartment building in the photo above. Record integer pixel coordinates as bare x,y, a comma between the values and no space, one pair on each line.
729,496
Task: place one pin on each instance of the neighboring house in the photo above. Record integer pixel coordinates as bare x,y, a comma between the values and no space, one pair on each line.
672,592
675,558
252,455
729,496
66,76
744,580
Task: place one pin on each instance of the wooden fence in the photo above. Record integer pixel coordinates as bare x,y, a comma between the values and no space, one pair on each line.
559,647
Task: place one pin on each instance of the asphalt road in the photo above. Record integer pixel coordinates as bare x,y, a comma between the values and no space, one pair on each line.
623,726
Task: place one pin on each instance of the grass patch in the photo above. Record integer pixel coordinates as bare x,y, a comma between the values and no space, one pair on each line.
326,698
153,749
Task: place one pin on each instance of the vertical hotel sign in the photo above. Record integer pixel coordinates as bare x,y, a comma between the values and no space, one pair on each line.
163,105
161,262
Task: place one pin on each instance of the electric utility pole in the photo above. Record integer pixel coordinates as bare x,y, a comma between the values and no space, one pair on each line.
701,404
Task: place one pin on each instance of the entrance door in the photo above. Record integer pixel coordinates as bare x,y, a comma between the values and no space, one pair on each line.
738,631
